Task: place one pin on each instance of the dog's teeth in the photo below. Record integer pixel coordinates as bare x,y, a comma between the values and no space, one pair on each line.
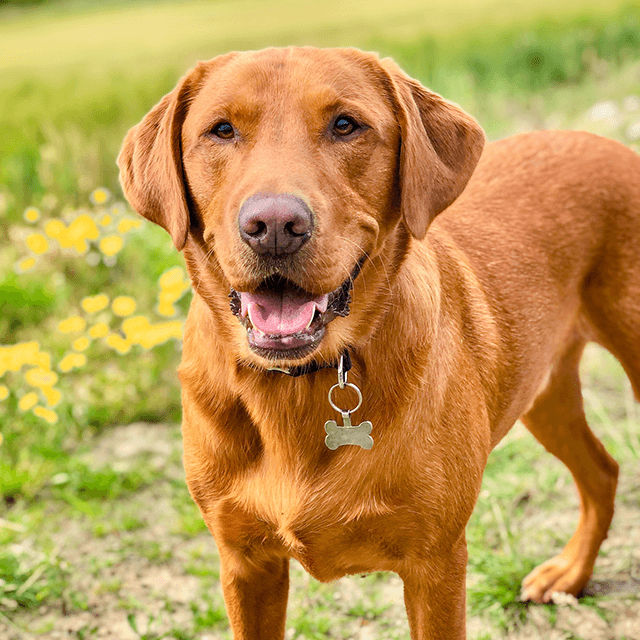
313,317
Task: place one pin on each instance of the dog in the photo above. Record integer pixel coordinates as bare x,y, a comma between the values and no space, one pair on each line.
351,240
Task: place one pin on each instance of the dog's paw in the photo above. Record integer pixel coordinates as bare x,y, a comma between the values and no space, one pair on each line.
558,575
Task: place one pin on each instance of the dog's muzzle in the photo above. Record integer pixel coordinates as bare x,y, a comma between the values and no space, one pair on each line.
284,321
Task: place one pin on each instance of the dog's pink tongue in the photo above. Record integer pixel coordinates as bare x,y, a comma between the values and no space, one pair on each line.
281,313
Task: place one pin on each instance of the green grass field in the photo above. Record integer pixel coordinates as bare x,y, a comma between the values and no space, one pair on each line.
98,536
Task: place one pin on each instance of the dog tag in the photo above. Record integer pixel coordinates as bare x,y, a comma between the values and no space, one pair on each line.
338,436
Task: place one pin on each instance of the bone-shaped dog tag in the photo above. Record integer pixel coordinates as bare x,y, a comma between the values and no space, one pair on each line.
348,434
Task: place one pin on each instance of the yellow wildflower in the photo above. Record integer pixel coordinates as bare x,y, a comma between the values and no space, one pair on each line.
37,243
41,377
173,285
47,414
171,278
127,224
117,342
73,324
14,356
99,330
52,395
123,306
140,331
83,228
93,304
166,309
72,361
27,263
100,195
54,228
4,392
110,245
27,401
31,214
80,344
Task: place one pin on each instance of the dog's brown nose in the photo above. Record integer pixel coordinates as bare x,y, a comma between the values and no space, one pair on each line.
275,224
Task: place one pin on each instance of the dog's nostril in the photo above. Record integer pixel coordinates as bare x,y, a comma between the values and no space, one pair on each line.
256,229
275,224
296,228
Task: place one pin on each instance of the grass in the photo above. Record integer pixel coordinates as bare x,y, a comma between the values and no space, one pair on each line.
114,34
93,530
28,578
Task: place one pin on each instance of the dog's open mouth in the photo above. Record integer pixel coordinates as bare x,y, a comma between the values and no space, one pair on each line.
284,321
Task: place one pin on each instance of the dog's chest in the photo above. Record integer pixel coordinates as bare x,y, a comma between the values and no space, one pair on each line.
332,529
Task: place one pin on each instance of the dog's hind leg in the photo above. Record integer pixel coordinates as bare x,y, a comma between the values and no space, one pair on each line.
558,422
613,311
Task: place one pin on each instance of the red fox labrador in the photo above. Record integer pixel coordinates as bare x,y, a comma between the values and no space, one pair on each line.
351,244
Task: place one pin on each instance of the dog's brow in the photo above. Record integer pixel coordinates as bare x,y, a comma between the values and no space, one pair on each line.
236,110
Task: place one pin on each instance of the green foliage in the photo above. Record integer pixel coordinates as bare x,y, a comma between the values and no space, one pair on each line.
27,579
524,59
103,484
210,616
313,626
150,623
24,301
499,588
367,610
191,522
22,3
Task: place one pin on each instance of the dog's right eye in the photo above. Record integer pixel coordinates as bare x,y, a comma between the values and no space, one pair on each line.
224,131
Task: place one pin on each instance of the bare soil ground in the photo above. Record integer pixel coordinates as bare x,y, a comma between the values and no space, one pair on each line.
153,580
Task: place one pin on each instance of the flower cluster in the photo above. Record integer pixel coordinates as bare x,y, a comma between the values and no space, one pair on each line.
97,235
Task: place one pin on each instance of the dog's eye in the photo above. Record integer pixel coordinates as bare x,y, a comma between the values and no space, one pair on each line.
344,126
223,130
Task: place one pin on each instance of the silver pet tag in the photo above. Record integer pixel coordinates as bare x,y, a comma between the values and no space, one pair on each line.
338,435
348,434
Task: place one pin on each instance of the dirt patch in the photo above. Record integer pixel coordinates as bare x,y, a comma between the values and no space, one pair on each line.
160,576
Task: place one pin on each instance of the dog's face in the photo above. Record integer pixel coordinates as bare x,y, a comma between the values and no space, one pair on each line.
285,172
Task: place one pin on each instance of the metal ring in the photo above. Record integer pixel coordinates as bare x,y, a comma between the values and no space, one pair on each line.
347,384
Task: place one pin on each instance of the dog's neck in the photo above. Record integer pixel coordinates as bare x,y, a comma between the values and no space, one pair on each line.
420,335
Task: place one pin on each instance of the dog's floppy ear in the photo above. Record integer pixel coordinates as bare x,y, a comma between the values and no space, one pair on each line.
440,147
150,162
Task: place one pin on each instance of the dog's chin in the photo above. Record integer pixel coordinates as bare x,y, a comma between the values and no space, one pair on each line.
295,346
283,322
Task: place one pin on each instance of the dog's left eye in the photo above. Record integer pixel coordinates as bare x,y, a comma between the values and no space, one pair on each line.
344,125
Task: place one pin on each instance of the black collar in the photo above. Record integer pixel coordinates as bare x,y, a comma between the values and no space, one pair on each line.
313,366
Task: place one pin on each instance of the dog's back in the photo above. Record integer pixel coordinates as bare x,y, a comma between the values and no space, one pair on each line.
556,207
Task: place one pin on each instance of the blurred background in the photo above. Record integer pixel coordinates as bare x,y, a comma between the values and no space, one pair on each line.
98,536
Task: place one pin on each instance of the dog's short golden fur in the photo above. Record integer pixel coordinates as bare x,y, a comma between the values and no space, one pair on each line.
454,333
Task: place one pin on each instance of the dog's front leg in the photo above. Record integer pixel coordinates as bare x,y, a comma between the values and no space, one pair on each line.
255,596
435,598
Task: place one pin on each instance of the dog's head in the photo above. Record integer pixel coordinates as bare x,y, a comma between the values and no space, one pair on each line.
284,174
